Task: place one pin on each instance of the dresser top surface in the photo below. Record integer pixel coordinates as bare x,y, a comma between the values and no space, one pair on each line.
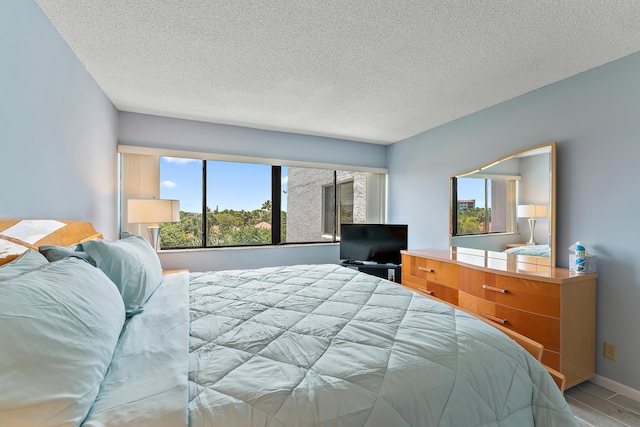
513,265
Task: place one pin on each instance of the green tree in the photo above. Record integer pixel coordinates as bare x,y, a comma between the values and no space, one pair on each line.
249,235
224,228
472,221
185,233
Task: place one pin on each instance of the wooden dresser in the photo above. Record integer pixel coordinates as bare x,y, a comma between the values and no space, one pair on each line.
553,306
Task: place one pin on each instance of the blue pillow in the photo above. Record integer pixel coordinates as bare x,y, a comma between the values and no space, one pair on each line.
60,324
28,261
56,253
131,263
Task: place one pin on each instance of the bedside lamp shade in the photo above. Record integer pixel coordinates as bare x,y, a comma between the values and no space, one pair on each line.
154,212
532,212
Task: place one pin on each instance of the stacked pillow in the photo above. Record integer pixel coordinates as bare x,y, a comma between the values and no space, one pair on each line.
59,326
9,250
60,319
56,253
131,263
29,260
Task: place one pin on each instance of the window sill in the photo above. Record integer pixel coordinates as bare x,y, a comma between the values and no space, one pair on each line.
244,248
467,236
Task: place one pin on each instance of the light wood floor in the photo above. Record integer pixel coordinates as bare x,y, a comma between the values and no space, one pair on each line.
596,406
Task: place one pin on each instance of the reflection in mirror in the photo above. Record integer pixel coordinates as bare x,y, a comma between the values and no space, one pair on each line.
507,205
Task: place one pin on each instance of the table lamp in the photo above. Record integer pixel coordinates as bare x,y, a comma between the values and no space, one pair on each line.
153,212
532,212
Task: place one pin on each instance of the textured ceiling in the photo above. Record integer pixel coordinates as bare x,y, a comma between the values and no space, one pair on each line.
367,70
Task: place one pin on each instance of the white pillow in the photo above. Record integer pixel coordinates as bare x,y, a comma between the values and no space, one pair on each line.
59,326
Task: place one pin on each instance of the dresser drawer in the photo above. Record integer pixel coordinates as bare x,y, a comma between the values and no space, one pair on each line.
413,282
436,290
551,358
528,295
414,266
442,292
443,273
544,329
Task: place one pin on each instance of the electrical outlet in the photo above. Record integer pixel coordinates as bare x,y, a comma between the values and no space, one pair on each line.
610,351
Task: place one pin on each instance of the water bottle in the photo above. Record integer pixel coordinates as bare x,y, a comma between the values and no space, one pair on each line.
581,257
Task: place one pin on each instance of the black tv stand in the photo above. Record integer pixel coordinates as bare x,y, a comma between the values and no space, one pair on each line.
391,272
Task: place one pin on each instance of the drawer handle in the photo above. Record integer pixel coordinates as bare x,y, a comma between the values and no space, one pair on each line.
491,288
425,291
428,270
494,318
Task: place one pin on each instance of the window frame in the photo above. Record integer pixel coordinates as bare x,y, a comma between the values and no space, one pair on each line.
140,179
337,203
276,219
511,190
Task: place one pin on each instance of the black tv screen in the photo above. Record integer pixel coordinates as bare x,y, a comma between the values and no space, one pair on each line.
380,243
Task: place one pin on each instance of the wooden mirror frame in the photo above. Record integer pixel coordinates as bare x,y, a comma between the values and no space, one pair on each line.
551,148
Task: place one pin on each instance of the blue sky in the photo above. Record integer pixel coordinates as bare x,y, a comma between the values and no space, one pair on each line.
471,188
238,186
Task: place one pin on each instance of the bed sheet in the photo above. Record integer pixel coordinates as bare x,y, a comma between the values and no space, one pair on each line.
146,384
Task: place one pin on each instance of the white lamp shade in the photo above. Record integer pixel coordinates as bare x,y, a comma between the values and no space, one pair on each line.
153,210
532,211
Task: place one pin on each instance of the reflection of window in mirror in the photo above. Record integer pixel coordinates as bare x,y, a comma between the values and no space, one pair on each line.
485,204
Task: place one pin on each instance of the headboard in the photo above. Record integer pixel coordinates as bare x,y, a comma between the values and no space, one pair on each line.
19,235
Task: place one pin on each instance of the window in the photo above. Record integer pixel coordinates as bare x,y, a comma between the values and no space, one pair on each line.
342,194
484,205
238,203
181,179
228,203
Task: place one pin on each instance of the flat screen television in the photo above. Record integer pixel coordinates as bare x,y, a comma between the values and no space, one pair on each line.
379,243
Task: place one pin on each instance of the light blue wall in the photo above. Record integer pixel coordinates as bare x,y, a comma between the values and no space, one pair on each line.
239,258
595,119
162,132
58,130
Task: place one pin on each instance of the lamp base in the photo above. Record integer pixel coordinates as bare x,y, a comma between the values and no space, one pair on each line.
154,234
532,227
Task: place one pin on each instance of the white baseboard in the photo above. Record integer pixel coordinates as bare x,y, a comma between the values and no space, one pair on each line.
617,387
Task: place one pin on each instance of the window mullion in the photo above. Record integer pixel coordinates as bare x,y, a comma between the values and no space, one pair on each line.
454,204
486,206
276,202
204,204
335,206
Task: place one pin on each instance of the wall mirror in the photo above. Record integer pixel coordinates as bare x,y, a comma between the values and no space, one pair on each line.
508,205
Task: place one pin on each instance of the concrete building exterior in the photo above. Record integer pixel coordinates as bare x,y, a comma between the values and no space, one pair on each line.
310,202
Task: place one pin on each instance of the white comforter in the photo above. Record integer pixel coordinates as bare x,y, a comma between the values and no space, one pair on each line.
325,345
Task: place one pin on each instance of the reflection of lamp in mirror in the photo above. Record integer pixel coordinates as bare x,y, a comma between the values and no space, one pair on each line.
154,212
532,212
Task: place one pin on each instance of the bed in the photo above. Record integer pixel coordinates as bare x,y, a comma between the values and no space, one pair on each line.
530,250
93,334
